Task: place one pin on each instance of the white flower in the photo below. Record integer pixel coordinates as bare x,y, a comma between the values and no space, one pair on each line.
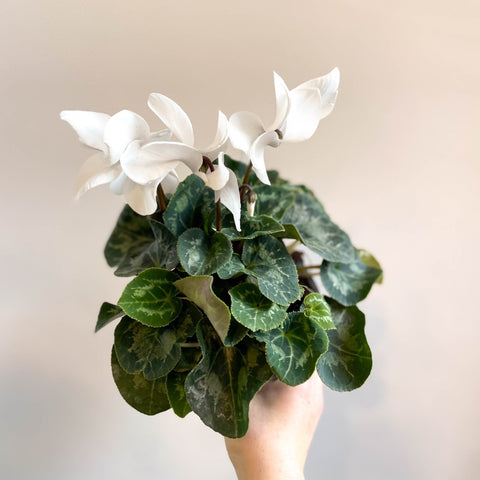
144,163
298,113
224,182
112,136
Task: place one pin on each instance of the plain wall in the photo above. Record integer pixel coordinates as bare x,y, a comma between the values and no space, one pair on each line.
396,165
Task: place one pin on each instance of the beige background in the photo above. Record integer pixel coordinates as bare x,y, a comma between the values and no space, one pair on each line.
396,164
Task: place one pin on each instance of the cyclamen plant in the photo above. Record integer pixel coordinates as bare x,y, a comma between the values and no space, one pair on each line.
222,300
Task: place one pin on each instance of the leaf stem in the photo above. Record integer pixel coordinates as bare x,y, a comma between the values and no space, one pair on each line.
307,267
162,199
190,345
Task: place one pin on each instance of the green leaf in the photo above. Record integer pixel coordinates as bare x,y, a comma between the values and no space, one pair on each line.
317,309
131,231
108,313
252,227
162,252
199,291
253,310
151,298
348,283
267,259
141,349
309,223
220,388
180,213
189,359
273,201
370,261
348,361
233,267
236,333
176,393
148,397
293,349
201,254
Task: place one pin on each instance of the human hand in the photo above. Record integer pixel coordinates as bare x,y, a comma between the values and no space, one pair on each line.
283,420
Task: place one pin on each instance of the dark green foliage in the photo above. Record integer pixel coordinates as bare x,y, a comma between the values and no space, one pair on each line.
212,315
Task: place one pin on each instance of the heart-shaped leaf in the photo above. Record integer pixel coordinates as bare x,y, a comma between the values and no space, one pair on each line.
162,252
180,213
201,254
317,308
273,201
254,310
294,349
348,283
233,267
141,349
220,388
267,259
307,221
252,227
151,298
148,397
132,231
348,361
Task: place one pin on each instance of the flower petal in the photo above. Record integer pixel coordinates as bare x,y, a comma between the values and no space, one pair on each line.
173,116
282,102
217,179
304,114
229,196
328,86
161,136
257,152
170,183
220,140
124,127
119,185
142,198
88,125
96,171
244,128
153,161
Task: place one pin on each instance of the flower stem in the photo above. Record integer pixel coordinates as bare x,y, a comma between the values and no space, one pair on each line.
244,188
208,163
247,173
218,216
190,345
162,199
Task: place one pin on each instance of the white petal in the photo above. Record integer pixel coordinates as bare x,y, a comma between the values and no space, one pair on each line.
124,127
257,152
282,102
220,140
89,126
153,161
217,179
142,198
120,184
172,115
229,196
328,86
161,136
243,129
96,171
304,114
170,183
